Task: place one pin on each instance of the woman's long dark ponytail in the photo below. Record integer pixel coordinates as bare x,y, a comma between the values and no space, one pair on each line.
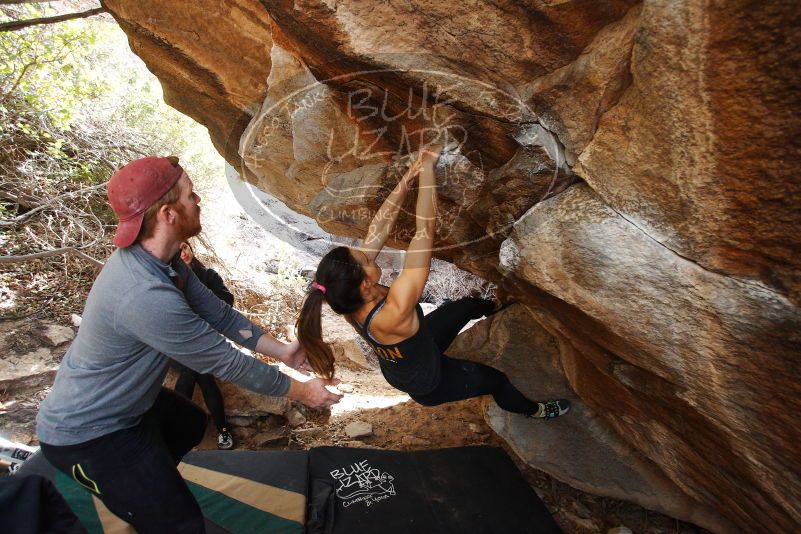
340,275
309,328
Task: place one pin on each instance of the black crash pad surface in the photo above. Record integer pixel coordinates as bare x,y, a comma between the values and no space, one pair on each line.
457,490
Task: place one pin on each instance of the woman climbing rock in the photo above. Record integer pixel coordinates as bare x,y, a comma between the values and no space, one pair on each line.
410,346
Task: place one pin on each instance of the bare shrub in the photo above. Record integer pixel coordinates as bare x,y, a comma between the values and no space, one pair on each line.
448,282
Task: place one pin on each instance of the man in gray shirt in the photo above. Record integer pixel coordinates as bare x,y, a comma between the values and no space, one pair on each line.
107,422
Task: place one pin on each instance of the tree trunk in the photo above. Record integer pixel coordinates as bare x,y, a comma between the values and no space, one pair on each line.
20,24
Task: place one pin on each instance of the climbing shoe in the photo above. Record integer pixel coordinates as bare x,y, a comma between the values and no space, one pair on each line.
551,408
500,305
225,441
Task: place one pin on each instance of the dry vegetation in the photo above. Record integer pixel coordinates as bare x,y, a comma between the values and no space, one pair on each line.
56,222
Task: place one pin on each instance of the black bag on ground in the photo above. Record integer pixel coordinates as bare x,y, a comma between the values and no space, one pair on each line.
32,505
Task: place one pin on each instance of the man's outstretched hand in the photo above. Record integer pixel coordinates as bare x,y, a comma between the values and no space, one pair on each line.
313,393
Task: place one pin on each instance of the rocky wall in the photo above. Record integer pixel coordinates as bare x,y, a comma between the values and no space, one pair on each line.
627,169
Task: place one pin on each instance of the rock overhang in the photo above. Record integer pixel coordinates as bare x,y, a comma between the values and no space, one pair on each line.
651,235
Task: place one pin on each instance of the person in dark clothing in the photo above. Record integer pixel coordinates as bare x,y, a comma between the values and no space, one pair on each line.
410,346
208,276
185,384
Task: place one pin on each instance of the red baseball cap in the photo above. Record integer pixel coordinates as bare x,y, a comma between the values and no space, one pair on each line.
134,188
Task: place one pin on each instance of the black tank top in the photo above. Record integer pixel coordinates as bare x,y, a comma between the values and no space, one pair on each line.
412,365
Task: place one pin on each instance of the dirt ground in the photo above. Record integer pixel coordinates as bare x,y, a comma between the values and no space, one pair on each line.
401,424
396,423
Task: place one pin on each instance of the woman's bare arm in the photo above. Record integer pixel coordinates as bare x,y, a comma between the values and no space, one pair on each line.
386,216
405,292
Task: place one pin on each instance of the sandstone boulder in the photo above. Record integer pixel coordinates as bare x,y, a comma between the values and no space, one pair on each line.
340,147
579,448
571,100
295,418
668,282
665,346
702,148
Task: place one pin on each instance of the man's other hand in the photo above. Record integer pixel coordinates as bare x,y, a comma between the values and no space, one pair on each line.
313,393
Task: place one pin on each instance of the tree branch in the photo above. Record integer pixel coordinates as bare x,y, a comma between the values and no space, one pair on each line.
21,218
21,24
23,199
55,252
19,80
15,2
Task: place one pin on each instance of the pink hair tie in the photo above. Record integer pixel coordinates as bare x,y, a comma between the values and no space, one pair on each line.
321,287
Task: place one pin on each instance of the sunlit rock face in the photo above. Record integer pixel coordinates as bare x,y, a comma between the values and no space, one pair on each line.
691,366
212,58
626,169
702,150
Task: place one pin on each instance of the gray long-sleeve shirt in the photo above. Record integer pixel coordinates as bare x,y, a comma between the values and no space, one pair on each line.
139,313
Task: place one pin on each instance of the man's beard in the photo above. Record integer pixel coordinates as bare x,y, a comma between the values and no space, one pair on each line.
187,226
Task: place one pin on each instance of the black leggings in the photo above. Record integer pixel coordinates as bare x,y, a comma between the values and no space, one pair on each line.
133,471
463,379
208,387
